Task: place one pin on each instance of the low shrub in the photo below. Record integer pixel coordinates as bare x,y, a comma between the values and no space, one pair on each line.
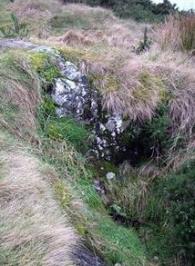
171,209
139,10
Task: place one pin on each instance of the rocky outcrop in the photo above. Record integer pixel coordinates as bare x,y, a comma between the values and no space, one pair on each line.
74,97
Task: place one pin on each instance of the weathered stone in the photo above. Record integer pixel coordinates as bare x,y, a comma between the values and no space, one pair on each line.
70,71
110,176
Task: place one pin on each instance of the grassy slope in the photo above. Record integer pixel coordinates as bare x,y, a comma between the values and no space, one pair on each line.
32,228
114,243
134,84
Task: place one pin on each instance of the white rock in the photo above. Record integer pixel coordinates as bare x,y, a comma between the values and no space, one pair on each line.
71,84
110,175
59,86
71,71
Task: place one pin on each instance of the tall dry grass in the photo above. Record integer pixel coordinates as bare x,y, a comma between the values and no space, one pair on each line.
36,14
33,230
138,94
177,33
19,95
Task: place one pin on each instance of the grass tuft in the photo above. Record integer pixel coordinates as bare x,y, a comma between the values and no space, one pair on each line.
177,33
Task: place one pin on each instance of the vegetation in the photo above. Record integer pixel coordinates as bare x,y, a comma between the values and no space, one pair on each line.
89,217
63,128
140,10
45,67
14,28
182,37
31,233
147,77
171,205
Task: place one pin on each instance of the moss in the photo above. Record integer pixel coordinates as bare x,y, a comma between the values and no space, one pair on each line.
39,60
100,168
47,69
149,83
60,129
77,55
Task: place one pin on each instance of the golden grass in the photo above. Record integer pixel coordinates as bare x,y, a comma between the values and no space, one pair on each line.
138,95
32,228
177,33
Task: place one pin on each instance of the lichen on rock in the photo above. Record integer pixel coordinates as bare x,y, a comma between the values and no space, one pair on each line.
74,97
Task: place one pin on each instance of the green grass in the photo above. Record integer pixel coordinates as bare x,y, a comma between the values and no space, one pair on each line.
67,20
67,129
170,215
89,194
44,66
123,246
113,242
61,128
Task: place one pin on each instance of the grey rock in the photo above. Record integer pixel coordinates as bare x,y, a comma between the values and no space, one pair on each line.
110,176
84,257
71,72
